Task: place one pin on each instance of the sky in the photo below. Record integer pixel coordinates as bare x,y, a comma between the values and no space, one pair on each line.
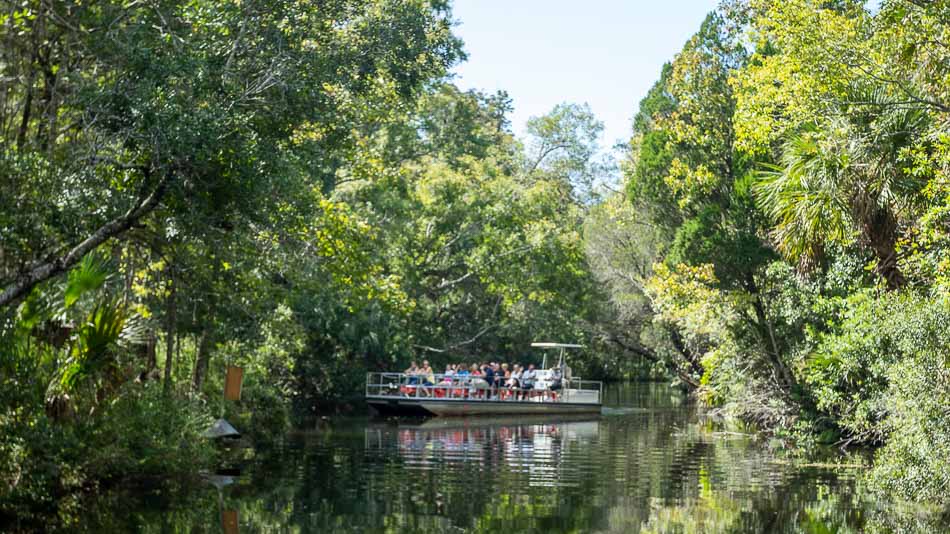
607,53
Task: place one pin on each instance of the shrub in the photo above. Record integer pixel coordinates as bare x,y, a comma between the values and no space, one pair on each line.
853,369
142,433
147,433
915,463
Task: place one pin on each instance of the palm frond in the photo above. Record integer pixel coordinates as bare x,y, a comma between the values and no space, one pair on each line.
91,273
108,326
804,198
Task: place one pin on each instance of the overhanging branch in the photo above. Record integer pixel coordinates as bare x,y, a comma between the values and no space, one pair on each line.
37,274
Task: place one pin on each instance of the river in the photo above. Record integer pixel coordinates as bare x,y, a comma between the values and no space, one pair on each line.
650,463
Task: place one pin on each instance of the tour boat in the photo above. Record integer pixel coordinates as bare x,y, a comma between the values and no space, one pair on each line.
555,391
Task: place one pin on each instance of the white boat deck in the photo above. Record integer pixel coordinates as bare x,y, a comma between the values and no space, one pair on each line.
554,391
441,394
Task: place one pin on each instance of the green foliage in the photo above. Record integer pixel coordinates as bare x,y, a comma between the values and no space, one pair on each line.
701,123
562,146
298,190
621,245
141,433
696,187
195,146
452,125
651,153
91,273
147,433
96,338
846,182
824,143
880,374
915,462
869,336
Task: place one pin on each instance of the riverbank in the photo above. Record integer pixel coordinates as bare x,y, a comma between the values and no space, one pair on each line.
51,466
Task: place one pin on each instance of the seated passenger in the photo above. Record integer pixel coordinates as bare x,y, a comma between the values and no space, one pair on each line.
528,377
514,377
412,373
556,381
449,374
427,374
514,381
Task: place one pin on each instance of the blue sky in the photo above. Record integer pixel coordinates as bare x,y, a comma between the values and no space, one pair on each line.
604,52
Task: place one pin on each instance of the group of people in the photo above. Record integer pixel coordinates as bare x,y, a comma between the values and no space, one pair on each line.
493,376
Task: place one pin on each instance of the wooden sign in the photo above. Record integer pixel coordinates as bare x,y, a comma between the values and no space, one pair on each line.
229,521
232,383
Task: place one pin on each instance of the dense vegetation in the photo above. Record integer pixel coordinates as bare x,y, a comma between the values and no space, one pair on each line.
304,193
791,163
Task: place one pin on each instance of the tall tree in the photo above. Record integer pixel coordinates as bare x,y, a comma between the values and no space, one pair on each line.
685,163
563,145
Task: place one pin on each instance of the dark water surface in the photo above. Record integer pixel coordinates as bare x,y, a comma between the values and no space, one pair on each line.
649,464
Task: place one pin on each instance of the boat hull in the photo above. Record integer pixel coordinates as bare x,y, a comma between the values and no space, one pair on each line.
462,407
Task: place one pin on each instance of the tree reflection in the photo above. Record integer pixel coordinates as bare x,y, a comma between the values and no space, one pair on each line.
658,468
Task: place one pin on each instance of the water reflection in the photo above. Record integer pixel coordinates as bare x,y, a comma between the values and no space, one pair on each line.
649,464
537,447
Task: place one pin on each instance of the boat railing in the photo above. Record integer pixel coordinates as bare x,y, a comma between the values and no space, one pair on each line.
475,388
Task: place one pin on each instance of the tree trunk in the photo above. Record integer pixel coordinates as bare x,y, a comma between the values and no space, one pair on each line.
25,118
171,317
204,356
149,357
680,345
48,112
880,231
31,82
766,329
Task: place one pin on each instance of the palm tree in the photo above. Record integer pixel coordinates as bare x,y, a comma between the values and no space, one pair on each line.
845,182
81,333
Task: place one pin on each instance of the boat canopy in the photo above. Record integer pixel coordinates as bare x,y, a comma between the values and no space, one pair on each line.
560,360
545,345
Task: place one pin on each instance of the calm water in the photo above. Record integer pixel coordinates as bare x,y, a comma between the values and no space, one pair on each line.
649,464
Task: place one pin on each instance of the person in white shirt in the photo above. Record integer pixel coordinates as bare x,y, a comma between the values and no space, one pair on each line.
528,377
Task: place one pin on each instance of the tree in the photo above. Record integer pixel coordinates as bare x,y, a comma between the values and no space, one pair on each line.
563,145
451,125
489,255
651,154
821,95
810,54
622,244
200,108
848,178
686,166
